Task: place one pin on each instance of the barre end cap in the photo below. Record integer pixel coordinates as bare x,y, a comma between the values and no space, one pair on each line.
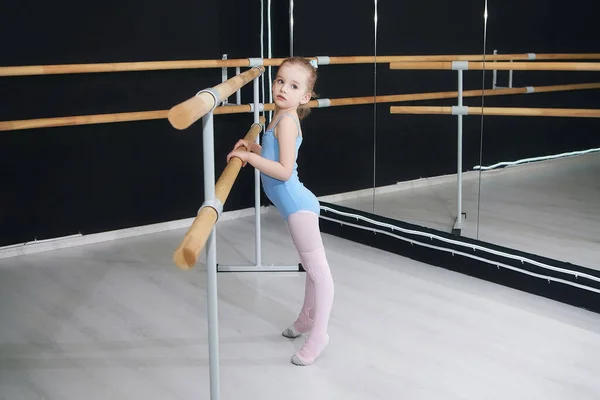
184,114
185,259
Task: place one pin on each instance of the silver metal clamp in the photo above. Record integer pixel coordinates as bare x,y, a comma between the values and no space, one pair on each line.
261,107
256,62
323,60
215,205
460,65
460,110
324,103
214,94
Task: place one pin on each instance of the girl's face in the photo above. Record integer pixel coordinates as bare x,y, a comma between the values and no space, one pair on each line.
290,88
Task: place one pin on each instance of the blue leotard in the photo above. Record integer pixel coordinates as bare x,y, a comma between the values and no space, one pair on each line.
288,196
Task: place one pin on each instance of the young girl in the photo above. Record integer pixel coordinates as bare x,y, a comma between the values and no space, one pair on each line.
276,160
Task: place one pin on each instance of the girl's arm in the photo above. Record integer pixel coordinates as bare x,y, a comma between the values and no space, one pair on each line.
286,134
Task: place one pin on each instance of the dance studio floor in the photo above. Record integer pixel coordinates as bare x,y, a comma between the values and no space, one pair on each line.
118,320
549,208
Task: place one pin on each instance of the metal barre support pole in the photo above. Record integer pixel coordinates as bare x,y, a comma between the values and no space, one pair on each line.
211,256
257,182
495,74
238,94
458,224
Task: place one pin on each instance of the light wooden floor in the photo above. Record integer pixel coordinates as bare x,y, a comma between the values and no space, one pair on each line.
551,208
119,321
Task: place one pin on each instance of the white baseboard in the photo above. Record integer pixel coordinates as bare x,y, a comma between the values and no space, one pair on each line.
39,246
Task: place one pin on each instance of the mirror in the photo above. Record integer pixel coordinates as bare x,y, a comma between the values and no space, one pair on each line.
540,175
417,153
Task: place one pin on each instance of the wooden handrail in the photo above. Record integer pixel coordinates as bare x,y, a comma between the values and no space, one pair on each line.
512,111
195,239
30,70
245,108
185,114
500,66
450,95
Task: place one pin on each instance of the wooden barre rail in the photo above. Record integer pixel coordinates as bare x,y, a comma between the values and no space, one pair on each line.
30,70
511,111
110,118
449,95
239,109
185,114
195,239
500,66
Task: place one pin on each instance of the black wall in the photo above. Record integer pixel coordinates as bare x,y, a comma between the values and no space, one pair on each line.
61,181
94,178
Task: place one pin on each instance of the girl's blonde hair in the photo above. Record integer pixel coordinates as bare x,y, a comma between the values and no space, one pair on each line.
304,110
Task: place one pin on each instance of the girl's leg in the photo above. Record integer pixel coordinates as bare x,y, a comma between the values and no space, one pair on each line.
319,293
304,322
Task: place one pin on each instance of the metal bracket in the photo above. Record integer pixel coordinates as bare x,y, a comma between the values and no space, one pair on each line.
323,60
261,107
324,103
460,110
256,62
214,204
214,94
460,65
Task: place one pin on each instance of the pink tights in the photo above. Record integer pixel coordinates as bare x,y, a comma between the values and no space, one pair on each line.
318,294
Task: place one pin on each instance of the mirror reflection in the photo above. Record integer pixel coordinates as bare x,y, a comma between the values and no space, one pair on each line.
540,168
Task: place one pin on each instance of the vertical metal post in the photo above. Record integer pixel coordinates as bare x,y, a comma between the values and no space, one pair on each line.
494,74
257,181
211,257
510,77
238,94
458,224
375,21
224,77
291,28
262,49
270,55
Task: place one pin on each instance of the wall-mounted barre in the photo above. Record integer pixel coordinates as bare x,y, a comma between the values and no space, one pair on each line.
30,70
497,66
513,111
187,253
247,108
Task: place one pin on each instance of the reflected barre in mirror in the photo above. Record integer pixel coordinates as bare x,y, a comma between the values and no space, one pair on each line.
544,202
539,173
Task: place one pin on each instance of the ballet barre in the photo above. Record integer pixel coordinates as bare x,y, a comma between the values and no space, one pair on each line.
459,110
497,66
31,70
508,111
247,108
